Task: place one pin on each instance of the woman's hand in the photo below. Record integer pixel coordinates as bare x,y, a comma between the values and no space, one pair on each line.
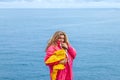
64,46
64,61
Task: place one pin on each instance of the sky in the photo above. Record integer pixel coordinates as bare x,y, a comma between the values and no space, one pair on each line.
59,3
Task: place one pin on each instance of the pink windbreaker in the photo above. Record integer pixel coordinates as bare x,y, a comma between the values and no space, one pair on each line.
65,74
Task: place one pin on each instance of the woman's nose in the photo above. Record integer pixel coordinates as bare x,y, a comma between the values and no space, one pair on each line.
62,40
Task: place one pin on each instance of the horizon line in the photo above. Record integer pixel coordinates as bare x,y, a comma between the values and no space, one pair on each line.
59,5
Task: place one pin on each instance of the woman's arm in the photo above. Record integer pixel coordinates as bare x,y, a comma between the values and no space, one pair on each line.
71,51
49,53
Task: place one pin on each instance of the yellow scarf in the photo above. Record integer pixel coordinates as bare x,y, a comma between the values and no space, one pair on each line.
57,56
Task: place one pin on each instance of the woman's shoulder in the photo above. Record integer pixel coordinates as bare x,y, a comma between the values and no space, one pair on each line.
51,47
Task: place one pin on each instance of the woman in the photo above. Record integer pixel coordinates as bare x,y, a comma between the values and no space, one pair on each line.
59,57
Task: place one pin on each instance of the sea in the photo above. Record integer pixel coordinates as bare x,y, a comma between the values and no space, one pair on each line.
93,32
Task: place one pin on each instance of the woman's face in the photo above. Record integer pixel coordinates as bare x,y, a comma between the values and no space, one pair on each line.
61,38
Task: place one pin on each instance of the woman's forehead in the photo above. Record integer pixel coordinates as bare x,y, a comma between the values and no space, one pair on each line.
61,35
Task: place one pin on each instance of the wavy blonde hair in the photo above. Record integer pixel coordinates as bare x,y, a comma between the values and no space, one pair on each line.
53,40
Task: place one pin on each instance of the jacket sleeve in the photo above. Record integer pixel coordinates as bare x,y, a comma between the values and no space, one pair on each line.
72,51
49,53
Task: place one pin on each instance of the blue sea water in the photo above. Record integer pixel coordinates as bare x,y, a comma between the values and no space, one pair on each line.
94,33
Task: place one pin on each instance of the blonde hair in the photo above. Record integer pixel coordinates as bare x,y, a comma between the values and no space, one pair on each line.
55,37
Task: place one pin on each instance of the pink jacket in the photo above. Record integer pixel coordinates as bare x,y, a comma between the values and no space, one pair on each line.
65,74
